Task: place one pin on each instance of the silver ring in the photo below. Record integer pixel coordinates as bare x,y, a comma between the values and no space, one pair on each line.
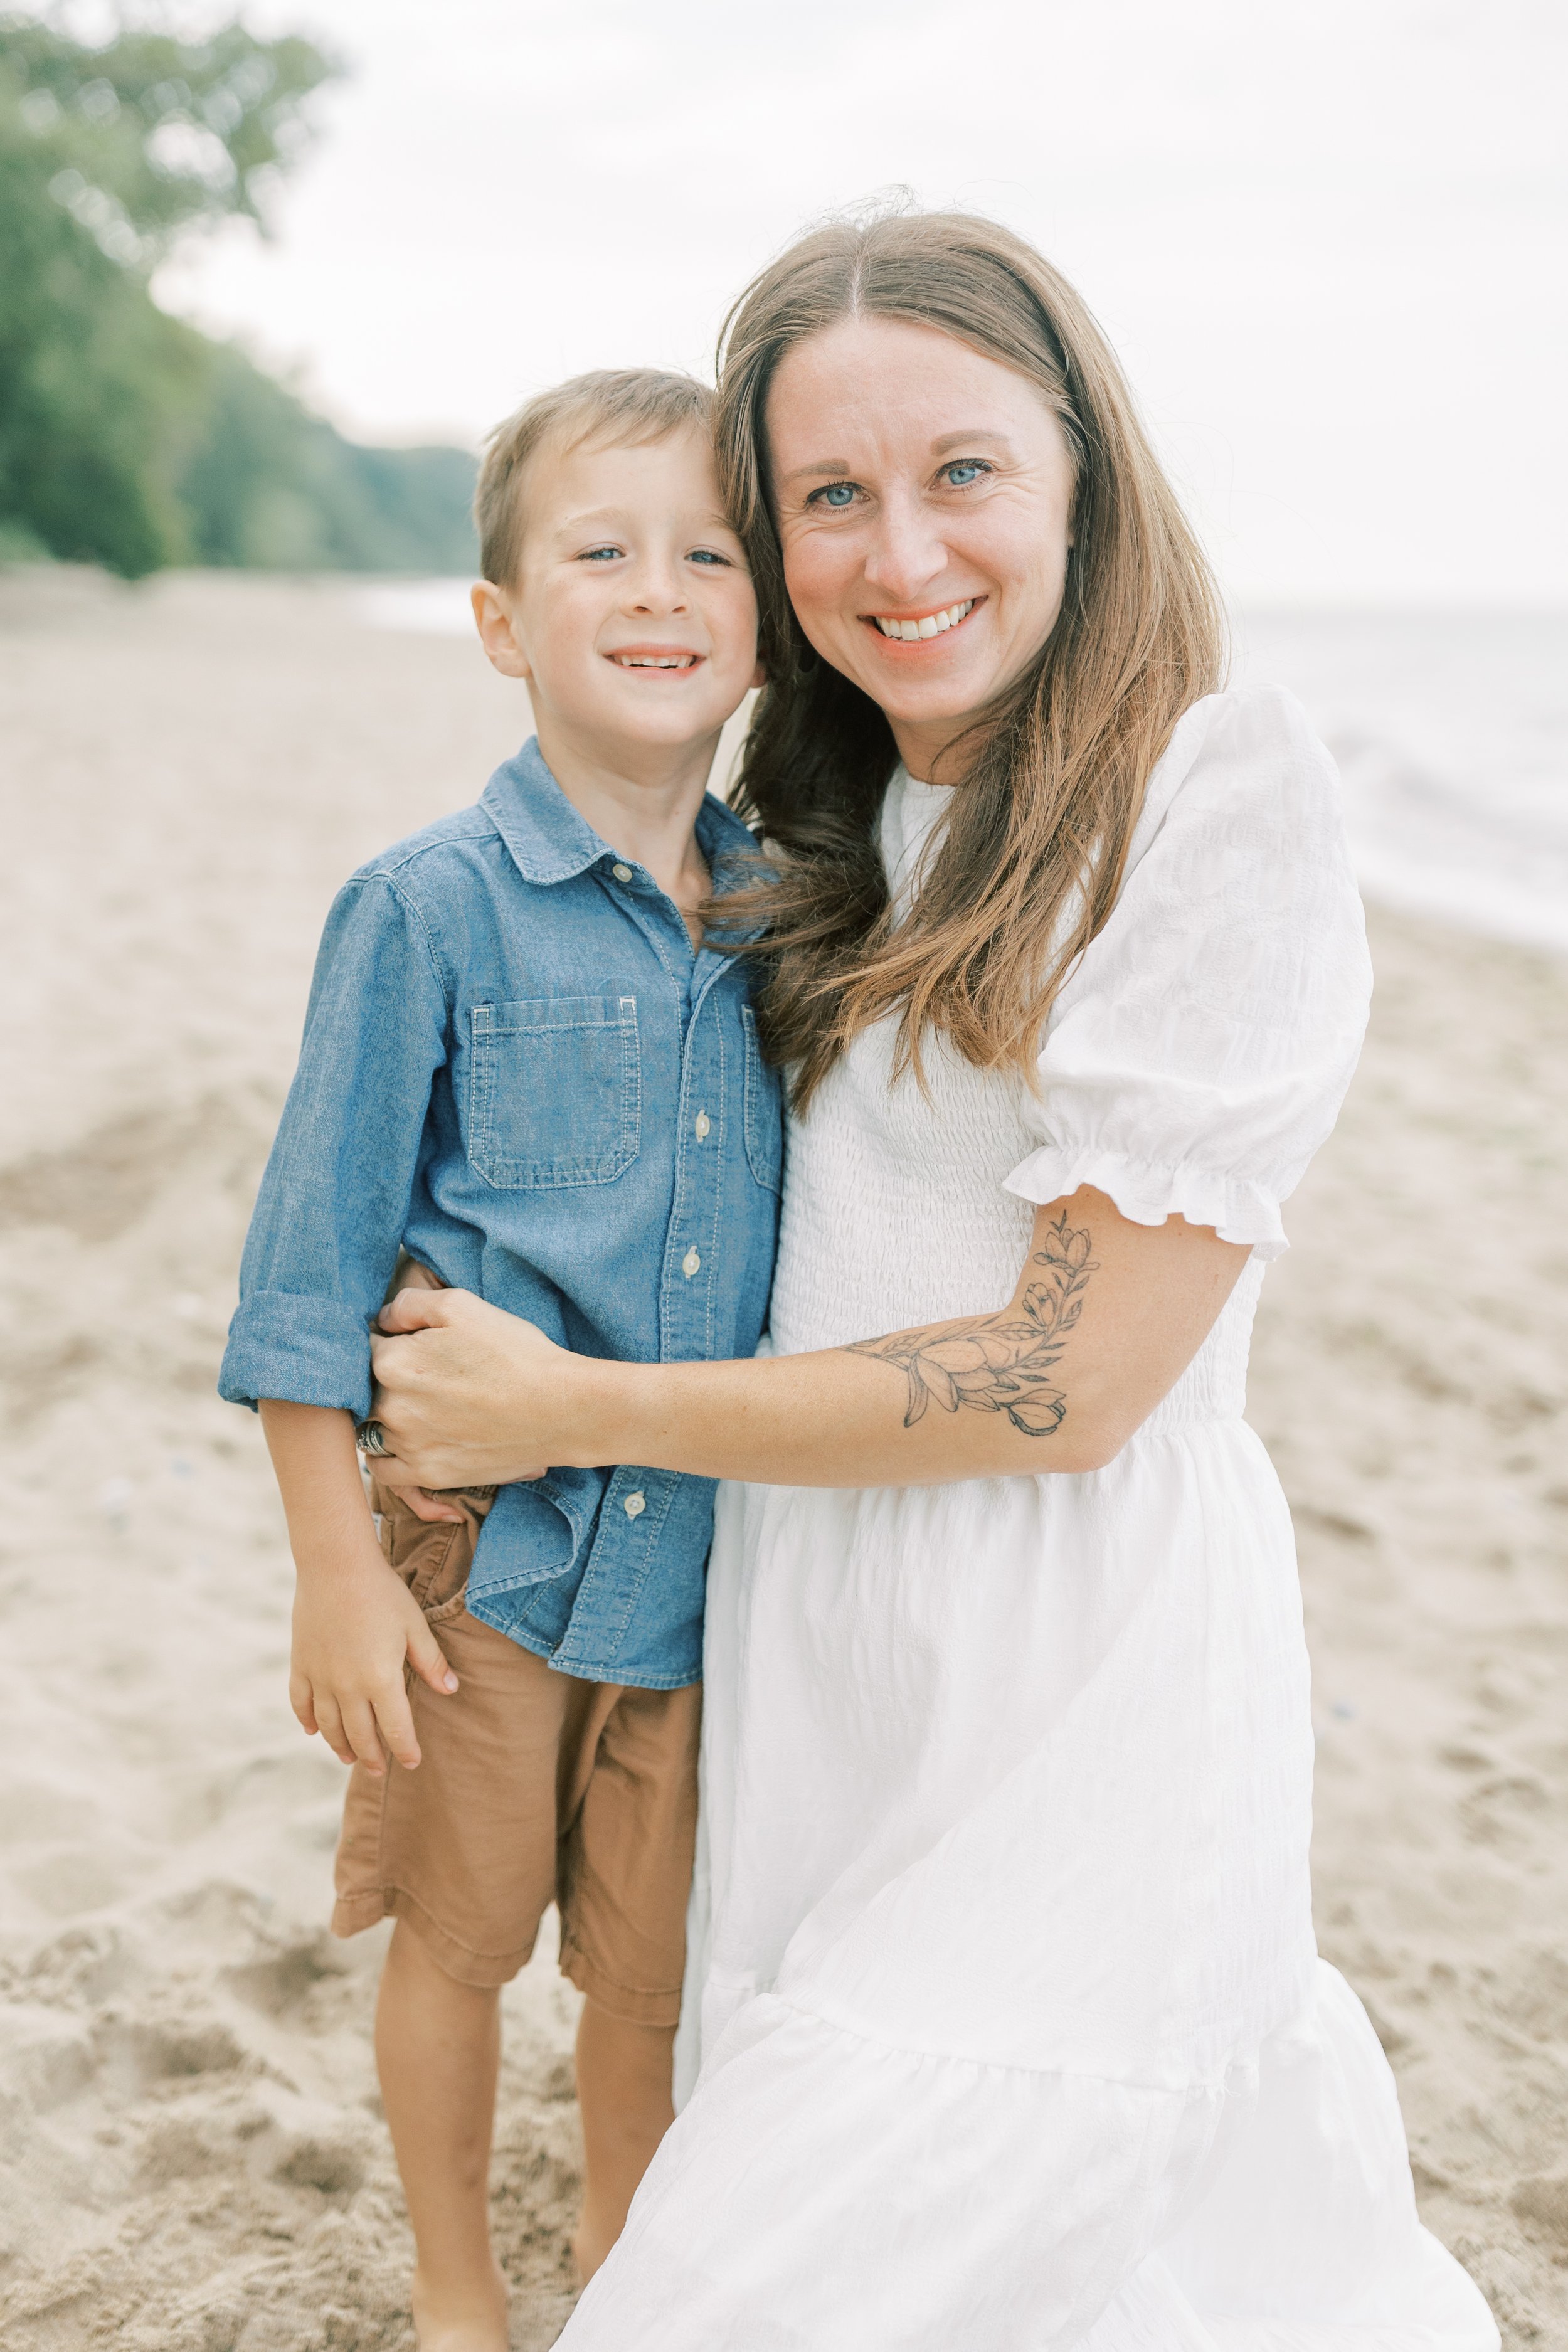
372,1439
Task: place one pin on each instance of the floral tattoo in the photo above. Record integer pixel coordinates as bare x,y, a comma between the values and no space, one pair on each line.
1000,1363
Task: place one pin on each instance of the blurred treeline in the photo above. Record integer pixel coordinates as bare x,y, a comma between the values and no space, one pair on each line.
126,438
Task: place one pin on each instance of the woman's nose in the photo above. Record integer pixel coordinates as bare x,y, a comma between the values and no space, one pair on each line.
907,552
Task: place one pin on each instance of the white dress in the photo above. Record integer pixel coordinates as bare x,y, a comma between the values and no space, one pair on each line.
1005,2021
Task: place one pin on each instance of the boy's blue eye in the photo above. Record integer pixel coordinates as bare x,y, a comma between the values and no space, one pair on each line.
964,470
599,555
707,555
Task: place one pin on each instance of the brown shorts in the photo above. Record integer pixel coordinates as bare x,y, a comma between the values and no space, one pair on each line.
534,1788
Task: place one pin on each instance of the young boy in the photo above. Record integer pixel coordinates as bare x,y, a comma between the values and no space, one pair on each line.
523,1067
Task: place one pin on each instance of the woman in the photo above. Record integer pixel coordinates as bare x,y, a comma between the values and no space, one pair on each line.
1005,2020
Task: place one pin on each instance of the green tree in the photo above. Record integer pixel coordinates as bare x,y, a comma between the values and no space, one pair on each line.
126,438
265,484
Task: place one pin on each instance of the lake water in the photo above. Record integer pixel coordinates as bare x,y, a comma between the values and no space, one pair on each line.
1450,731
1451,734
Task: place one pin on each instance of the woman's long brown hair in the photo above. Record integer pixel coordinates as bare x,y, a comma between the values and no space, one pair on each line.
1052,781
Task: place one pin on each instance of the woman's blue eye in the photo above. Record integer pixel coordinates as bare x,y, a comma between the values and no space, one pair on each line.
964,470
836,494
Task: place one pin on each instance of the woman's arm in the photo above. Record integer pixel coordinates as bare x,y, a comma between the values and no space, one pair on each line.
1106,1316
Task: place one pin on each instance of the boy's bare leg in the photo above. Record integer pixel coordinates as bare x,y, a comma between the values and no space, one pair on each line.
437,2046
623,2077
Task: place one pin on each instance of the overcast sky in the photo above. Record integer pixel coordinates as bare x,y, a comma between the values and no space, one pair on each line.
1327,237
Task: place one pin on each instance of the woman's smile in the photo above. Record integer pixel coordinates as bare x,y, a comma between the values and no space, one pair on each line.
907,628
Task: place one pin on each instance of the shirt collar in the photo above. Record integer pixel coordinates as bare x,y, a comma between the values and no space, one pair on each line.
551,843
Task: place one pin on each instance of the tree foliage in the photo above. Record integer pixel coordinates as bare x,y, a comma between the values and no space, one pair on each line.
126,438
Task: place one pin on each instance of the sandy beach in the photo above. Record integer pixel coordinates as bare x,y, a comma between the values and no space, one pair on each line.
192,2157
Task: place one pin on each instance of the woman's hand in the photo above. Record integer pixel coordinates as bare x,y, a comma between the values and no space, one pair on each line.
466,1395
434,1509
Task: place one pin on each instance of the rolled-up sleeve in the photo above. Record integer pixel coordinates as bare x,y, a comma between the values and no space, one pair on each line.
334,1199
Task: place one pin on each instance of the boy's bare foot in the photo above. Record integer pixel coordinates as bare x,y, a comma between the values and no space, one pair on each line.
470,2319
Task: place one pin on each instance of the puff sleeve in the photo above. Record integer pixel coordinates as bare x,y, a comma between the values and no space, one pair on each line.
1200,1049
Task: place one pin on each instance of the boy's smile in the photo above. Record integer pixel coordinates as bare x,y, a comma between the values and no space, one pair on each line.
665,661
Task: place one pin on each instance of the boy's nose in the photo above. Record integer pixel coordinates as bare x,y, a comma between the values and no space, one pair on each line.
655,590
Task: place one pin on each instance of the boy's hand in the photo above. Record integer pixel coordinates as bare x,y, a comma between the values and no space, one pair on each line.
423,1501
356,1625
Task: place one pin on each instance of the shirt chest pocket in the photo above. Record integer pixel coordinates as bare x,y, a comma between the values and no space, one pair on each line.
555,1091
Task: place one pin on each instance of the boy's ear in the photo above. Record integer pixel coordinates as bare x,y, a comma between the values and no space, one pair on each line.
493,622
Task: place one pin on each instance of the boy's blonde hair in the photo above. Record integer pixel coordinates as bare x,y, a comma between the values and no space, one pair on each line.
625,407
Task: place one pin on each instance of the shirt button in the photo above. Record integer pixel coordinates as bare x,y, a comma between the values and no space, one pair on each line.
703,1123
690,1263
635,1506
621,872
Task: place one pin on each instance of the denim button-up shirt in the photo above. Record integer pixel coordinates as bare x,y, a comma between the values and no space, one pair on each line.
516,1068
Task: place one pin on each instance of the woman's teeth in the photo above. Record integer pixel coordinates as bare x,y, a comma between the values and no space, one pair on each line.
931,625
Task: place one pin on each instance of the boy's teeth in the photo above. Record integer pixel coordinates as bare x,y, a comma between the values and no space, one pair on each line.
656,661
932,627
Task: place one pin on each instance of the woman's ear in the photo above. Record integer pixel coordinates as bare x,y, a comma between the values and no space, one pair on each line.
493,620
